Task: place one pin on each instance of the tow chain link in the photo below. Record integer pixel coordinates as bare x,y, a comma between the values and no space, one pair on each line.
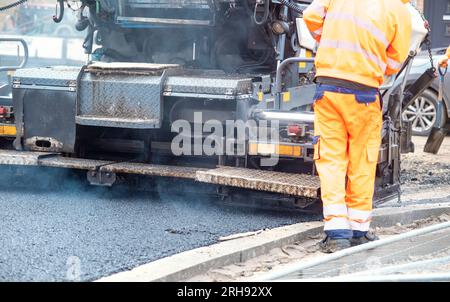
427,40
430,54
12,5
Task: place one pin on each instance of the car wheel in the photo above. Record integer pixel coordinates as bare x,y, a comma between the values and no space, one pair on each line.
422,113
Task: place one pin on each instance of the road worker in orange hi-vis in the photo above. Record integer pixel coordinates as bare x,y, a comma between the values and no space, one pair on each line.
443,62
360,41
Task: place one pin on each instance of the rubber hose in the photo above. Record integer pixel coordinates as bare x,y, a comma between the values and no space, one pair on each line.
292,6
58,19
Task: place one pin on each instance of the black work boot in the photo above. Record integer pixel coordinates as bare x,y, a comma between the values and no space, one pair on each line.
329,245
369,237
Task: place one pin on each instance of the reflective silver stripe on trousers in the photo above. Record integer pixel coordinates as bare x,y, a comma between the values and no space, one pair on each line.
353,47
335,210
358,226
363,216
367,25
337,223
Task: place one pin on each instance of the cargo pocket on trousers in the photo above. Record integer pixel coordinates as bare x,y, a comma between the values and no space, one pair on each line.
372,153
316,144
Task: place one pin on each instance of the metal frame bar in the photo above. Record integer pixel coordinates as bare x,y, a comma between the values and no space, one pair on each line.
279,76
25,56
141,20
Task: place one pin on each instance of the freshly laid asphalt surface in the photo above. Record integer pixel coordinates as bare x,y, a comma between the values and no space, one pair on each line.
75,232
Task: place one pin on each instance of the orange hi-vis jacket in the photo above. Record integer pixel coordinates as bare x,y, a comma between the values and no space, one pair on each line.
448,52
359,40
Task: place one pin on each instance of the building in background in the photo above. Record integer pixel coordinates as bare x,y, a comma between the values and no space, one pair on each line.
438,14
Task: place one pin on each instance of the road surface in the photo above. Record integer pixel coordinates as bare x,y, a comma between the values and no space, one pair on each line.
77,232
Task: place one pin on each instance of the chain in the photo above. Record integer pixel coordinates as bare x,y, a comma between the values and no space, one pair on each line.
12,5
428,44
427,41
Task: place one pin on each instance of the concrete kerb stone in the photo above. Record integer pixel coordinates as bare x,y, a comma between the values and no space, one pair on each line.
386,217
198,261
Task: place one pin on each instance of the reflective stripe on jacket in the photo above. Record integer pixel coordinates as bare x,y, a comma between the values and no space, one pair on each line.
360,40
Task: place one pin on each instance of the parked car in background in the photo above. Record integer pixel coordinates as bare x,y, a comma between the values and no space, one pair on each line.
422,112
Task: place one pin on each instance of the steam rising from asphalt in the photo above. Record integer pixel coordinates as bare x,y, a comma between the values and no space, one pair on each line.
46,225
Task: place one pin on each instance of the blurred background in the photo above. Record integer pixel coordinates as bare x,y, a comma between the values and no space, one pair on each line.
49,43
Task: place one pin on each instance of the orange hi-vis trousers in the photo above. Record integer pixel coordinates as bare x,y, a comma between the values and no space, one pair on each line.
347,142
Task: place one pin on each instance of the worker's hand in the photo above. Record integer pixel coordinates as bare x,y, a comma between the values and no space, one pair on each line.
443,62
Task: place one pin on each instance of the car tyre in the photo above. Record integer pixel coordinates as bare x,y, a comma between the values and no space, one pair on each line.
422,113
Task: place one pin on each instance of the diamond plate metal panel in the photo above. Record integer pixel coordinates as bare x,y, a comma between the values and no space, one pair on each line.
126,168
20,158
170,3
120,100
277,182
206,84
47,76
25,158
